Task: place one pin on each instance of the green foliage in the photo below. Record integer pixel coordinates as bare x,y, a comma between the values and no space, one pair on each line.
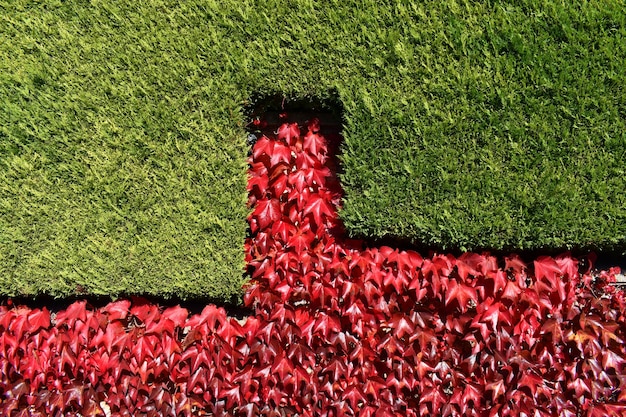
506,129
121,153
468,124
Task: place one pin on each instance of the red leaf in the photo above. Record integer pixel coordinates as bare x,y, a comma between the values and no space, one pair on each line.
280,153
289,132
336,368
313,125
229,330
108,336
536,301
276,151
76,311
546,267
279,184
416,286
263,146
397,280
425,337
401,325
469,264
495,314
249,385
211,315
421,367
611,359
434,270
608,333
461,293
326,325
434,397
553,328
360,354
319,208
73,395
117,310
530,381
567,265
391,345
409,260
373,386
232,395
160,327
472,393
301,239
579,386
355,311
591,321
266,212
200,359
511,291
299,179
258,185
144,372
143,310
142,349
315,144
499,280
306,160
317,176
39,319
354,396
497,389
282,366
612,410
283,313
177,315
322,292
514,264
67,357
250,410
300,353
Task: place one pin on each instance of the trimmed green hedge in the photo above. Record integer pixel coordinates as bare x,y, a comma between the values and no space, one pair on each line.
468,124
122,151
503,126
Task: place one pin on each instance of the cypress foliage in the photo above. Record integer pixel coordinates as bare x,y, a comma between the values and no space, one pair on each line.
468,125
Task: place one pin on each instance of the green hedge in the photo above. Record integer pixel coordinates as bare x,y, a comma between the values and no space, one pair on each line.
468,124
123,164
503,127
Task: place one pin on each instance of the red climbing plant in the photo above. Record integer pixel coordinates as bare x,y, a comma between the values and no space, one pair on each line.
337,328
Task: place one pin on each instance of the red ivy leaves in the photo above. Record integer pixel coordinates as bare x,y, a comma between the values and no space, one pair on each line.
462,293
274,151
266,213
319,208
289,133
337,329
38,319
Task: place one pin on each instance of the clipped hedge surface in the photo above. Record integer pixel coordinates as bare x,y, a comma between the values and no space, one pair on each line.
122,141
504,129
121,152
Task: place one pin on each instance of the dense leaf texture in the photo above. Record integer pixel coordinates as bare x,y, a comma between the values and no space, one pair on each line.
337,330
505,130
474,123
112,178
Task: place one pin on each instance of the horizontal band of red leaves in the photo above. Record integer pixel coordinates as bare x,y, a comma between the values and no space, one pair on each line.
337,329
